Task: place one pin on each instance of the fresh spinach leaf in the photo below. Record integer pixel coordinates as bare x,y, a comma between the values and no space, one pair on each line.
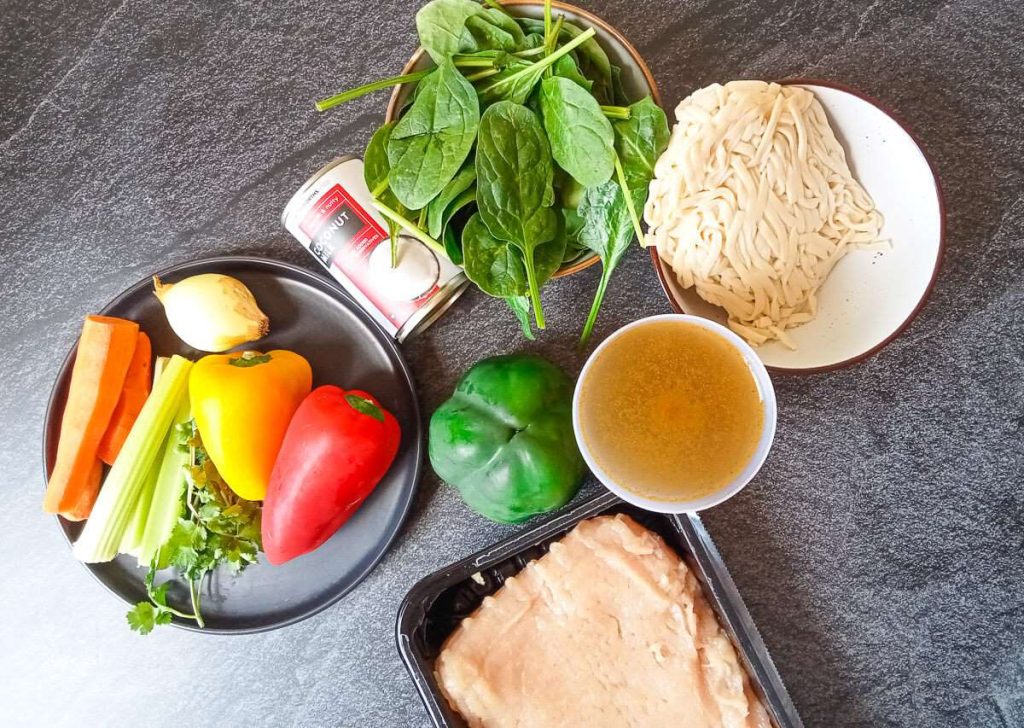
608,226
452,247
573,224
566,68
376,171
619,97
498,267
493,30
516,82
514,193
593,63
520,306
639,141
495,266
441,25
512,83
582,140
438,209
375,160
429,144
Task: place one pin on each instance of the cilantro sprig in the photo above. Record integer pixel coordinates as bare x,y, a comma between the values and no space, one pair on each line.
217,528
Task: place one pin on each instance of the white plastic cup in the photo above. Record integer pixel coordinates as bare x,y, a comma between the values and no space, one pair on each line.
764,444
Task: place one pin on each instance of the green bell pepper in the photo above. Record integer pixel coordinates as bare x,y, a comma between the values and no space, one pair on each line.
505,438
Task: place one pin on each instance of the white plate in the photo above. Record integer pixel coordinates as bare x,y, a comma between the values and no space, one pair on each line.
870,296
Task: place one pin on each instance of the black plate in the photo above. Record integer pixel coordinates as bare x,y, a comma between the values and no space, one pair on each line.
309,315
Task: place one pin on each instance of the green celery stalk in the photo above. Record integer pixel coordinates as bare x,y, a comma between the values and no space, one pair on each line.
119,495
132,538
165,508
159,364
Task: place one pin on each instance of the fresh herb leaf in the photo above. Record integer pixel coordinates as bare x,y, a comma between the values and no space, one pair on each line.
143,617
218,529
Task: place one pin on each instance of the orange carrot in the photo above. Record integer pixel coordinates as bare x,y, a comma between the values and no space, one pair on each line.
105,350
137,383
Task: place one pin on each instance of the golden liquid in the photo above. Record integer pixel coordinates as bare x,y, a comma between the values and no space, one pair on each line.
671,411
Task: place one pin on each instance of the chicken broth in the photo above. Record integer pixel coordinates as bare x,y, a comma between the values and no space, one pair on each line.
670,411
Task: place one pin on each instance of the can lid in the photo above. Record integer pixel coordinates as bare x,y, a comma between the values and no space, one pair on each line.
300,194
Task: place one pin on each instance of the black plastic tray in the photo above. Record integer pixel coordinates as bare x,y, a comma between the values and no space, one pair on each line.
436,605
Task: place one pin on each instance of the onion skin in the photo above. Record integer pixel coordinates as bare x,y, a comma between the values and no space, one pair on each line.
212,312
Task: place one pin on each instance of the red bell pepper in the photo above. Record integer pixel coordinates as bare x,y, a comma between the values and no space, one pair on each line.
338,446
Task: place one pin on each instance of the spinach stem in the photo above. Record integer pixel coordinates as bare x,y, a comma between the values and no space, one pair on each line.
588,328
409,227
481,75
547,22
616,112
549,46
530,52
393,235
542,63
332,101
555,32
628,197
471,62
498,6
379,189
531,277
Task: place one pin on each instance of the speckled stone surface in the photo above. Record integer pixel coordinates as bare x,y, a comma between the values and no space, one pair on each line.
881,550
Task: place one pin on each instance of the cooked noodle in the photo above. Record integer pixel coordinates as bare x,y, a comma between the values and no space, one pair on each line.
753,203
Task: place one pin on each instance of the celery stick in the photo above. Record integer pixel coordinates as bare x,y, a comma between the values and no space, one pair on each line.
132,538
158,367
165,509
120,492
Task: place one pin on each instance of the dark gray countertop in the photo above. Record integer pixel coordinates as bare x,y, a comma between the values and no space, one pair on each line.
881,550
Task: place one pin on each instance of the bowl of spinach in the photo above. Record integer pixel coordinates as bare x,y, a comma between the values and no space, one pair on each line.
519,141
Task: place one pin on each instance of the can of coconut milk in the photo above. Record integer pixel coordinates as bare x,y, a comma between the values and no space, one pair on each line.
333,216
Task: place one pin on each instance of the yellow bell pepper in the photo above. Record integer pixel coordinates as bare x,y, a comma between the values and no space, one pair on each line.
242,404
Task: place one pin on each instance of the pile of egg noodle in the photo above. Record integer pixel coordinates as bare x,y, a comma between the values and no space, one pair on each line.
753,203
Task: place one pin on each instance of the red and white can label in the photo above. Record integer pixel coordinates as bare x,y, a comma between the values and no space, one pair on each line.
333,217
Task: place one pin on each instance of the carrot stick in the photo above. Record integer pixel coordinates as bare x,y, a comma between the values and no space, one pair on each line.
105,350
136,388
